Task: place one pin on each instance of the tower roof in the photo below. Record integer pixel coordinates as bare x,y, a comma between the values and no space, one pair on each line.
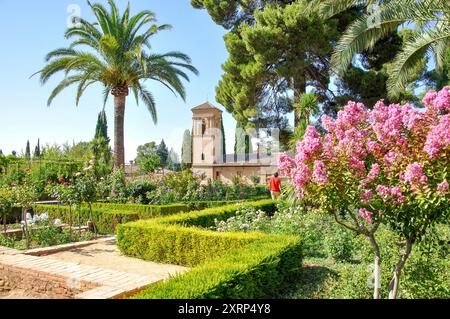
206,106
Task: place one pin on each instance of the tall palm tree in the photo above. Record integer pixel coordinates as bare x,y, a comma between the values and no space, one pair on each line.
117,56
430,19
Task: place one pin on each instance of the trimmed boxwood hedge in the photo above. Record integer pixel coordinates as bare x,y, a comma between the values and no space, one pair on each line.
226,265
256,270
107,219
146,211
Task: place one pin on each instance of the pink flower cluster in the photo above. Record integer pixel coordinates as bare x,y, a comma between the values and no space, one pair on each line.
309,146
366,214
438,101
439,137
367,149
392,192
414,175
320,174
366,196
443,187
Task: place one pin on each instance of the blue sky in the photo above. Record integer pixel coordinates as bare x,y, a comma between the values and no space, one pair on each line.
30,29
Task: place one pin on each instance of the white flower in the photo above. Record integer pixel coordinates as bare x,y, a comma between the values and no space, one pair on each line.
57,222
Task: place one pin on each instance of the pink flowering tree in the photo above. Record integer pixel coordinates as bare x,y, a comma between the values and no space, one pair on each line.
386,165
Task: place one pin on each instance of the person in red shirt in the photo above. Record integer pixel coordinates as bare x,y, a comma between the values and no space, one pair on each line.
275,186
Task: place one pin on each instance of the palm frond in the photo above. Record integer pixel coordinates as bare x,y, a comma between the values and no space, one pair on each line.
412,52
364,33
149,101
61,86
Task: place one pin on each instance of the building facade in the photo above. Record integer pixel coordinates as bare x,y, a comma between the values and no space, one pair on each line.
210,160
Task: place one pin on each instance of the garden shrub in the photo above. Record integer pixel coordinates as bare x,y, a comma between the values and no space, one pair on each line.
226,265
108,216
138,189
256,270
173,239
339,243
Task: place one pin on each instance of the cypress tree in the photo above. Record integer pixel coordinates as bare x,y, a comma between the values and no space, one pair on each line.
186,150
102,126
37,150
28,151
224,145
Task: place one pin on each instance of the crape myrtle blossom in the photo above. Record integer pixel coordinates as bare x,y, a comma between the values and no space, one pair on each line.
443,187
439,137
385,156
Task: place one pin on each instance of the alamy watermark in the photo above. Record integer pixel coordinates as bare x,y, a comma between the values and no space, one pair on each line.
74,19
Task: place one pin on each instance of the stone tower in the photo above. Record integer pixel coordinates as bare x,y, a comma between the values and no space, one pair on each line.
206,135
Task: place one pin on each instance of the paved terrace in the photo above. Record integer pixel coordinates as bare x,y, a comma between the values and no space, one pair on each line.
94,270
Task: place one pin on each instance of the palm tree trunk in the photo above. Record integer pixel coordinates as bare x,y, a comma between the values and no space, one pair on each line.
119,116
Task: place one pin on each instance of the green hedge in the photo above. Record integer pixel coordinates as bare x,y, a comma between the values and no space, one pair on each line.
199,205
226,265
146,211
257,270
107,219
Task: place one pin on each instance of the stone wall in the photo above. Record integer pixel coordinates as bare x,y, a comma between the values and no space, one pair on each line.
39,284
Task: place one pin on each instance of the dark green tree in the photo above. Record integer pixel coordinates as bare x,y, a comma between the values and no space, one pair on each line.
224,143
163,153
186,150
100,146
28,151
285,50
37,150
101,129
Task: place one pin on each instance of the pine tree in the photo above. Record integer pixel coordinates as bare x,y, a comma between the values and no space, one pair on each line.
186,150
163,153
28,151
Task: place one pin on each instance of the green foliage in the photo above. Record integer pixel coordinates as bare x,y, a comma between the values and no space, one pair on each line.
37,150
168,240
53,236
431,35
113,185
186,150
226,265
148,159
184,187
338,243
107,216
100,147
27,154
137,190
46,237
256,270
163,153
282,51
